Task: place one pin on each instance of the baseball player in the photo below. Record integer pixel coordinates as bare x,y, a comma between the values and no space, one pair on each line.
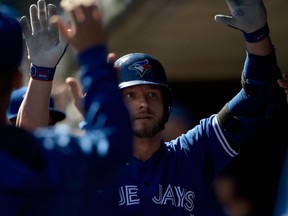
175,177
54,171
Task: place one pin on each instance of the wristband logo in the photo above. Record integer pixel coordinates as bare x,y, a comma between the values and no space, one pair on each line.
41,73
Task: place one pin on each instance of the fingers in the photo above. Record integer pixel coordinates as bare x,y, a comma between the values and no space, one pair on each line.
86,27
39,16
75,88
111,58
75,15
70,5
51,12
75,92
65,33
285,76
35,24
42,14
223,19
81,13
283,83
63,27
25,27
51,8
88,11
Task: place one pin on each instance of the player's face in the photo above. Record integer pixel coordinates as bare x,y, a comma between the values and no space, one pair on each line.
145,104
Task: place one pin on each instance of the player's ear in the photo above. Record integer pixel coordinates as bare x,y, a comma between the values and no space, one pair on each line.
18,78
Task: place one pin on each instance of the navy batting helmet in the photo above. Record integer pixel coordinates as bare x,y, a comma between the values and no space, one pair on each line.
143,69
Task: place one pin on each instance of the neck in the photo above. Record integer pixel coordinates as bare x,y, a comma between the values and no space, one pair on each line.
144,148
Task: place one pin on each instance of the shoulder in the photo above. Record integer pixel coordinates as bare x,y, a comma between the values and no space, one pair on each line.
15,135
22,146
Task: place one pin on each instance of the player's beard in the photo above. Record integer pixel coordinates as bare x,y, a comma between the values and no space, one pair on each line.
150,132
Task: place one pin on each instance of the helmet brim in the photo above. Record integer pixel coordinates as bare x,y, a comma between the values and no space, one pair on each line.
140,82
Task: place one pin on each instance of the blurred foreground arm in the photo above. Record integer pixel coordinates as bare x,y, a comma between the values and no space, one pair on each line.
87,37
104,110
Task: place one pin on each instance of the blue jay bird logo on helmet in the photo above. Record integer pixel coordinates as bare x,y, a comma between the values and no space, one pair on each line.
141,67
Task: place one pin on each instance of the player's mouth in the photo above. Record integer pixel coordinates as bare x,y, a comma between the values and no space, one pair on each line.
143,117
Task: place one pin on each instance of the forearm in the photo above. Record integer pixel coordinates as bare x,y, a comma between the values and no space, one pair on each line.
257,101
45,49
259,79
259,97
34,110
261,48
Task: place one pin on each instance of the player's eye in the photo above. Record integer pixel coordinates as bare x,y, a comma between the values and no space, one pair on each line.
152,94
129,95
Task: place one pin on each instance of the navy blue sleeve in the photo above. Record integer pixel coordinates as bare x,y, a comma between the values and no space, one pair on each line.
257,101
103,104
259,84
107,139
261,70
77,167
108,132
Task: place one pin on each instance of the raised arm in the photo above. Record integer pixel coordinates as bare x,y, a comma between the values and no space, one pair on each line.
78,168
45,48
107,118
250,17
260,95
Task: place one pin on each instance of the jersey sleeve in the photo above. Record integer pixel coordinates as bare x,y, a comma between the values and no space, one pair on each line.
216,140
105,111
205,147
78,165
107,118
259,99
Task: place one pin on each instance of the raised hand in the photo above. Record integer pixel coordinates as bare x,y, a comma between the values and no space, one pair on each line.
44,44
249,16
75,88
86,29
76,94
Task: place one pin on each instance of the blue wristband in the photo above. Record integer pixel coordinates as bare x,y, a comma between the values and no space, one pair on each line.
257,35
42,73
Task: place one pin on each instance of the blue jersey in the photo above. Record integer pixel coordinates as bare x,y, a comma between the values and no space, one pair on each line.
57,172
177,179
